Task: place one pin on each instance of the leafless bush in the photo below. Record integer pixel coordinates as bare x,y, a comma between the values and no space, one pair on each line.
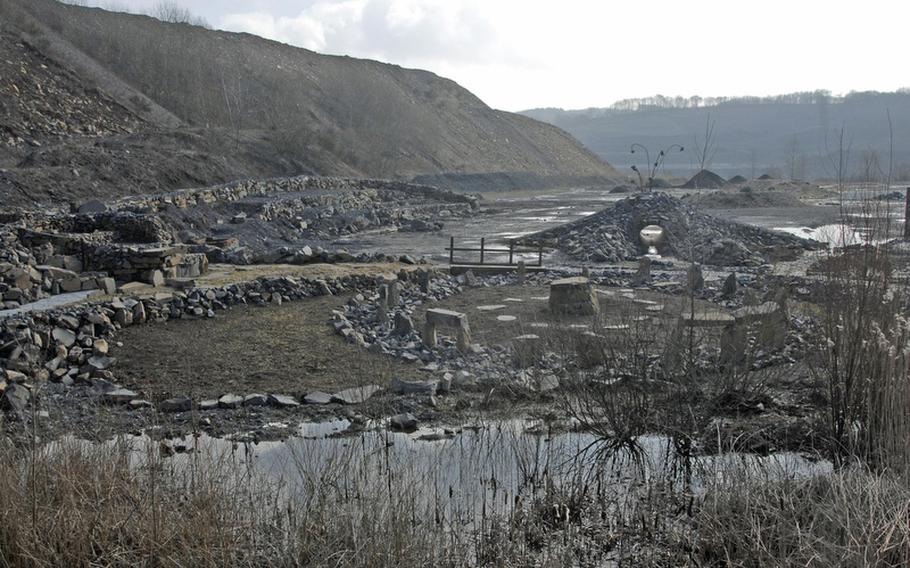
171,12
862,337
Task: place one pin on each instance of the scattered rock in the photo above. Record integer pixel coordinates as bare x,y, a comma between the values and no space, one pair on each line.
401,386
403,422
255,399
176,404
119,396
356,395
230,401
283,401
16,398
317,397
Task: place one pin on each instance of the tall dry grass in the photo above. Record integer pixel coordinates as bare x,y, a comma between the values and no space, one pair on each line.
849,518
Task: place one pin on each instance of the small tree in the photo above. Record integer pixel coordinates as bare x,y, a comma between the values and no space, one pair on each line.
653,167
706,147
171,12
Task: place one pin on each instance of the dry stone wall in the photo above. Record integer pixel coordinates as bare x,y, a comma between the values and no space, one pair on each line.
71,346
239,190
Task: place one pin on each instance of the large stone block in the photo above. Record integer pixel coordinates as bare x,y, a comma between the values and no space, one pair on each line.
447,318
573,296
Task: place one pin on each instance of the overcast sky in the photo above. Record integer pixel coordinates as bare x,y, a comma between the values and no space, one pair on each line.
520,54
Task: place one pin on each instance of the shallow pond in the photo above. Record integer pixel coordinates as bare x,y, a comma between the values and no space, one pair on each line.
467,473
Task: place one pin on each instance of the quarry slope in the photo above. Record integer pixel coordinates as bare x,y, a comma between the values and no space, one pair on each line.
183,106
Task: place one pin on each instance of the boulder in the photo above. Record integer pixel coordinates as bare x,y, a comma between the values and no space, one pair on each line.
230,401
406,422
402,386
255,399
176,404
16,398
356,395
317,397
283,401
119,396
63,336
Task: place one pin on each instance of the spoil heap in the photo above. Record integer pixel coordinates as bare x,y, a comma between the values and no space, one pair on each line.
705,179
612,235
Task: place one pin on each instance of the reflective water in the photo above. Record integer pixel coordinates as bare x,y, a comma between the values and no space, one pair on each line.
479,469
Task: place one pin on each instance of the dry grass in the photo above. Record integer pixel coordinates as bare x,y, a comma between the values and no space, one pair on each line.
70,504
849,518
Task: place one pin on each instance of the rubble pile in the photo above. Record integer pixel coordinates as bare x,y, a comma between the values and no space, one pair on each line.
612,235
41,100
705,179
316,186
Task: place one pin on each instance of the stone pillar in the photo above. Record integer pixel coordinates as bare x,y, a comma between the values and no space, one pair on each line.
522,271
463,336
424,281
394,295
573,296
733,345
429,334
382,305
643,276
731,285
695,278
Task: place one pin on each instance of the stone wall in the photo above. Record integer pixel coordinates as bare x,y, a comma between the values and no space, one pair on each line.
238,190
71,345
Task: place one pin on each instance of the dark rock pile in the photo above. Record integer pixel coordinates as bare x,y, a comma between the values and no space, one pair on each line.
705,179
612,235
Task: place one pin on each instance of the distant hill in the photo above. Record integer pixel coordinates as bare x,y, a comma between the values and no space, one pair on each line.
787,135
100,103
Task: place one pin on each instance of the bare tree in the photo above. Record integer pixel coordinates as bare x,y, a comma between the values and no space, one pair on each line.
170,11
870,165
706,147
795,159
652,167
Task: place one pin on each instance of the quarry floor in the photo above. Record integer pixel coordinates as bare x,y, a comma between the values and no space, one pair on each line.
506,215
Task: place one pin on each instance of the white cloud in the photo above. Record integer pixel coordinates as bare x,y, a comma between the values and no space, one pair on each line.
518,54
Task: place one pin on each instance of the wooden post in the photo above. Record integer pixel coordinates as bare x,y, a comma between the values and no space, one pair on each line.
481,249
451,250
511,251
907,215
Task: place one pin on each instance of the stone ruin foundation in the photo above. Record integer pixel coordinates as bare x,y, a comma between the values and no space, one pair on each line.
437,317
573,296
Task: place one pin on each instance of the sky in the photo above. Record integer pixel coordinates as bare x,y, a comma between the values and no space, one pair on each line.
522,54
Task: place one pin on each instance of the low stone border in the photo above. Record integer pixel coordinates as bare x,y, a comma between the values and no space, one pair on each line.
71,345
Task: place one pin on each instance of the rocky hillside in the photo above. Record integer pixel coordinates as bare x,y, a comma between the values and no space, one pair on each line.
110,103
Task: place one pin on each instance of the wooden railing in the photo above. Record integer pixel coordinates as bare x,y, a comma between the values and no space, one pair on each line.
485,250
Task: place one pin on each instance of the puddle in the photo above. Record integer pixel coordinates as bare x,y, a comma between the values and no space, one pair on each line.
836,235
459,475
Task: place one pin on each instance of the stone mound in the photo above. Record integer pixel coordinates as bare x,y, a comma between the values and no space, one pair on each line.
765,177
737,179
612,235
705,179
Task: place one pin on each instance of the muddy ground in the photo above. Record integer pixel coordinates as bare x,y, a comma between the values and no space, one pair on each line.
286,349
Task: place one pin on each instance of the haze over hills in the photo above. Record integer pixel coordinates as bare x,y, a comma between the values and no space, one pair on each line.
162,106
789,136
